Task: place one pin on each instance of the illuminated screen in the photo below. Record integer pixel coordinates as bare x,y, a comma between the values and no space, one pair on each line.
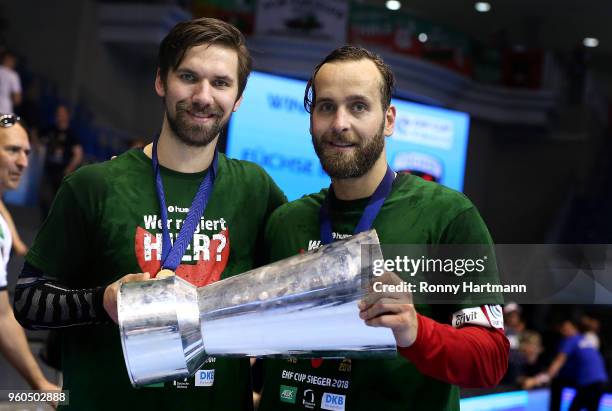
271,129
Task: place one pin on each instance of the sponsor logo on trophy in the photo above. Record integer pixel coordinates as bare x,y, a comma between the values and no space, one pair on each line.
333,402
309,399
288,394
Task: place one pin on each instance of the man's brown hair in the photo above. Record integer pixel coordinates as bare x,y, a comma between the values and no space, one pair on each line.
353,53
200,31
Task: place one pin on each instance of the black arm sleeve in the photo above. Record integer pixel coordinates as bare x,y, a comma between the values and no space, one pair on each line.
43,303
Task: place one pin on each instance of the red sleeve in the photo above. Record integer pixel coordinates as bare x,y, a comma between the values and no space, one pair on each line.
471,357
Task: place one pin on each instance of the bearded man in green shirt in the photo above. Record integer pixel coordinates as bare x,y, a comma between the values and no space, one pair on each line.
121,216
349,101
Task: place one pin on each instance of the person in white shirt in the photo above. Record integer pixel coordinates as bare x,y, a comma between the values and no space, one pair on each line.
14,150
10,84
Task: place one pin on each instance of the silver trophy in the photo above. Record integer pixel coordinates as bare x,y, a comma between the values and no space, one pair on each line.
305,305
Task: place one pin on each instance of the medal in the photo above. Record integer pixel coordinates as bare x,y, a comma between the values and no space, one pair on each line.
369,214
164,273
173,253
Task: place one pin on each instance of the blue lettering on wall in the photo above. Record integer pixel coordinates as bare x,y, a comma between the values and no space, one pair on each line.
286,103
282,161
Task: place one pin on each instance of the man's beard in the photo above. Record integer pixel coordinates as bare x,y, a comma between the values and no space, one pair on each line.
351,164
192,134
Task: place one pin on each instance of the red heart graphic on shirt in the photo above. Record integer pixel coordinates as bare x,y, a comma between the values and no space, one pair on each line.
208,268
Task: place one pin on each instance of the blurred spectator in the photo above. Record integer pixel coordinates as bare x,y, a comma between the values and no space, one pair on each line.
578,362
525,347
14,149
63,154
530,347
10,84
30,109
590,325
514,324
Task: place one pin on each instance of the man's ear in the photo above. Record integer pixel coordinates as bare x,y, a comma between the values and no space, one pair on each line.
237,104
389,120
160,88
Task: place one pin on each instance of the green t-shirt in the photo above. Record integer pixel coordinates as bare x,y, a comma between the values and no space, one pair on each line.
415,212
105,223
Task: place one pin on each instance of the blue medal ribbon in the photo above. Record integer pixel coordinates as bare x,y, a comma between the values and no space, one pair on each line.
173,253
369,214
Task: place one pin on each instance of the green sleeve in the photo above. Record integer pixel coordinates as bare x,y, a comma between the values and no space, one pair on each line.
65,238
270,236
467,227
276,198
467,231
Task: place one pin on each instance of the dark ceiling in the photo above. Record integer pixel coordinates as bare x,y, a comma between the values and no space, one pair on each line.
553,24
